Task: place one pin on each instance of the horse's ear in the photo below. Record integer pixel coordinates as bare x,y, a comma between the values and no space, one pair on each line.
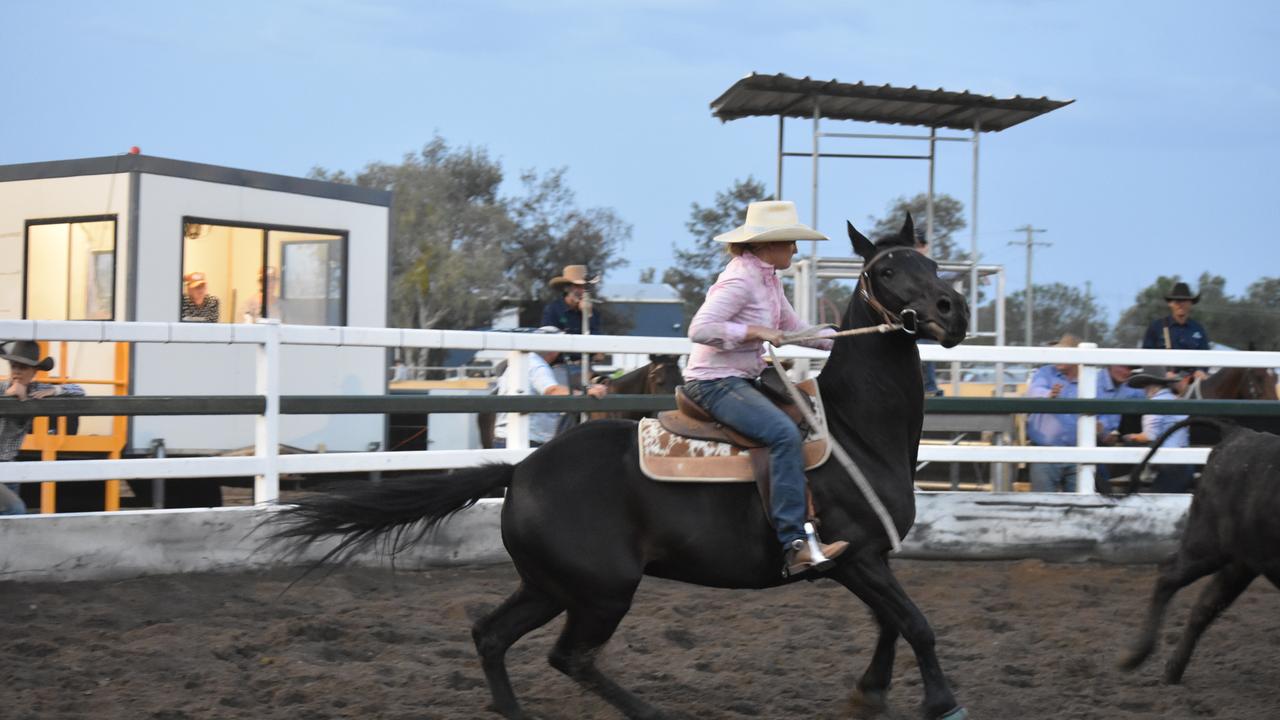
861,244
907,235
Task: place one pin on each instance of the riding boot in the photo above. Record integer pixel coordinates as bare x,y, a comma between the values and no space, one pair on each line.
799,558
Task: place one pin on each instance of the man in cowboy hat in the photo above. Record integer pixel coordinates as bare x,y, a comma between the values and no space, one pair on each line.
197,304
565,312
24,361
1177,331
1161,384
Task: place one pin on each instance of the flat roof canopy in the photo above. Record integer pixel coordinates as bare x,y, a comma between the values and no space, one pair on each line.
782,95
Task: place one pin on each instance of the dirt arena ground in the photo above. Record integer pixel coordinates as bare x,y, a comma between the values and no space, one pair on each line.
1018,639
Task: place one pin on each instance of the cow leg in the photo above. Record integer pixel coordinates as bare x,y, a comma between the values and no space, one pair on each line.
1217,596
868,575
1176,572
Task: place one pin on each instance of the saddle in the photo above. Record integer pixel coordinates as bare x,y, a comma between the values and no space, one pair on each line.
688,445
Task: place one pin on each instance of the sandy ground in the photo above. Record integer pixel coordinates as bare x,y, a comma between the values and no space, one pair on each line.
1018,640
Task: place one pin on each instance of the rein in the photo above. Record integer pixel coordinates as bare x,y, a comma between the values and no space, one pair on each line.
847,462
905,321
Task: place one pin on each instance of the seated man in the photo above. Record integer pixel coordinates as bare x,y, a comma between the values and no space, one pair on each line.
540,380
1158,384
1059,429
24,361
197,304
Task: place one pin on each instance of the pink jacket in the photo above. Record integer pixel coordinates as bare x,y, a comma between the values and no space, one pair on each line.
748,292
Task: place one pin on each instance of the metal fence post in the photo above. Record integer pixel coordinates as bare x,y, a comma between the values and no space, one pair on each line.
518,423
1087,425
266,444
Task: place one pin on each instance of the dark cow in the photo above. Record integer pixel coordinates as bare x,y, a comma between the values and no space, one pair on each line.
1231,532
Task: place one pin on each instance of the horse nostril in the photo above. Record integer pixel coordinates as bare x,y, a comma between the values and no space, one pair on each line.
944,306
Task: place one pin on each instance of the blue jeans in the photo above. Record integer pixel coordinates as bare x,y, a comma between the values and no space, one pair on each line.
1052,477
739,405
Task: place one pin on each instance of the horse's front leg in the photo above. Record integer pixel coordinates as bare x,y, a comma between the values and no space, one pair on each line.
868,576
871,697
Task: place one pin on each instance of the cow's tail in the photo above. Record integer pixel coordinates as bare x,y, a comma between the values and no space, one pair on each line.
1135,475
389,515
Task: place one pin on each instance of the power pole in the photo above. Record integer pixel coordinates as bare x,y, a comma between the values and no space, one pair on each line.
1030,242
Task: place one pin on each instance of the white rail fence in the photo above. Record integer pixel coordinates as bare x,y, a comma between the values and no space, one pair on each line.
267,464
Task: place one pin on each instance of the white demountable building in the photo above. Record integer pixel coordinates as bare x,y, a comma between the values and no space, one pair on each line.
112,238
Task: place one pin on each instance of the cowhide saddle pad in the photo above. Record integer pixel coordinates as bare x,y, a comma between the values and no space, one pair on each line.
674,458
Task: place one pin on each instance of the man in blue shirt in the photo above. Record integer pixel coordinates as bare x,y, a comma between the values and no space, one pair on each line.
565,312
1177,331
1059,429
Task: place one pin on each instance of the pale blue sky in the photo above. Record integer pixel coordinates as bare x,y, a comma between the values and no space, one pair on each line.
1165,164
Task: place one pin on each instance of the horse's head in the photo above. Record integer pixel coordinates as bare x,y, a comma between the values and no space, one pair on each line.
663,375
897,278
1259,384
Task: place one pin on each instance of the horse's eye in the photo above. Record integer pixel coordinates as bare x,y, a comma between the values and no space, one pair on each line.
886,273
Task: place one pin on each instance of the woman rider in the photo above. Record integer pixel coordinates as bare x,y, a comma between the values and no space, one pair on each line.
743,309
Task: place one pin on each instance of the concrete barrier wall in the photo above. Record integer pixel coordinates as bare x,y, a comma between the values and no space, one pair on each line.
960,526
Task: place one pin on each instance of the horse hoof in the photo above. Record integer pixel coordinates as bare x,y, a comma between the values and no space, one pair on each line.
868,704
957,714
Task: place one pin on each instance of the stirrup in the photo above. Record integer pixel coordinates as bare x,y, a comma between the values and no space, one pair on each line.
817,561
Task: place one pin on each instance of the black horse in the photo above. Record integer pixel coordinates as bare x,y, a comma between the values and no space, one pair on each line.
583,525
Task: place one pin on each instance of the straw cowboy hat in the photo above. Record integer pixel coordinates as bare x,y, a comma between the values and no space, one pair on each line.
771,221
1180,291
194,279
25,352
573,275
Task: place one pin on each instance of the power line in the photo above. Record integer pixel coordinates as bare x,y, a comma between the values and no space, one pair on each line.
1030,242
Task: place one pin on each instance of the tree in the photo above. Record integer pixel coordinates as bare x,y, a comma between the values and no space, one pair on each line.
1249,321
446,213
1059,309
696,268
552,232
948,219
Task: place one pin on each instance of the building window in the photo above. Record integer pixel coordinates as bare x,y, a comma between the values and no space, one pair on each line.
296,275
71,269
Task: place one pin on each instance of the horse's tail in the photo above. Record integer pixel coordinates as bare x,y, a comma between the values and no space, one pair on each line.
391,514
1135,475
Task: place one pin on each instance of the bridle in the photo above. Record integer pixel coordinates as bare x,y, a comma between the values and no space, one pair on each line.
906,320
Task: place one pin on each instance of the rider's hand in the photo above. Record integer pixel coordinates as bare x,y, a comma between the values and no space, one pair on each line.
772,336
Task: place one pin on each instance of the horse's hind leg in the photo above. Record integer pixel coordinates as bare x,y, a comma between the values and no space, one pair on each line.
1176,572
869,577
586,629
525,611
1217,596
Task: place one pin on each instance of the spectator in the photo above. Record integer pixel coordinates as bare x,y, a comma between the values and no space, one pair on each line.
1113,387
197,304
565,313
1177,331
23,357
539,380
1059,429
1158,385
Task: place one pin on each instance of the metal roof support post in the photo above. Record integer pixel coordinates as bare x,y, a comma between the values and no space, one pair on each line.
777,191
973,237
817,133
928,213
